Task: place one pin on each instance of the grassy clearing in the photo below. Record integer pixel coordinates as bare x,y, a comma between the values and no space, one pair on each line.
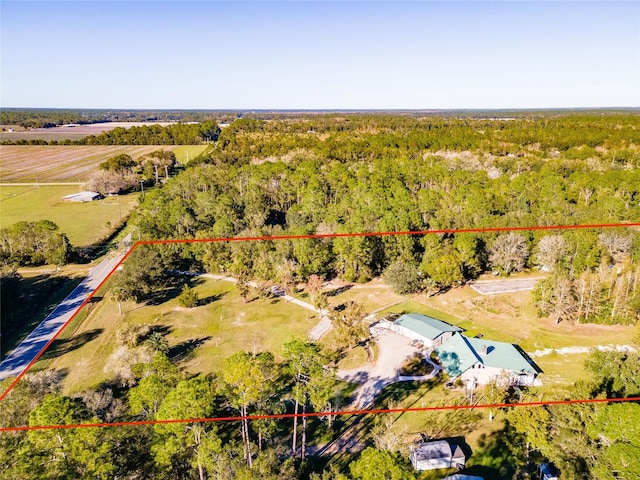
185,153
71,163
374,295
202,337
84,223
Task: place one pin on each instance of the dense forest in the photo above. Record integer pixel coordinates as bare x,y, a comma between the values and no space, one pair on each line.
379,174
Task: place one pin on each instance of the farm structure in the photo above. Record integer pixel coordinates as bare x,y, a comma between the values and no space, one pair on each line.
82,197
437,454
479,362
429,331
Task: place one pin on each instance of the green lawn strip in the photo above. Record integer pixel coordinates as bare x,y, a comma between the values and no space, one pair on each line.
84,223
184,153
411,306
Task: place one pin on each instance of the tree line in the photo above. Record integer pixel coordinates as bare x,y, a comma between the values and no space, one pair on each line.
34,243
174,134
265,179
51,117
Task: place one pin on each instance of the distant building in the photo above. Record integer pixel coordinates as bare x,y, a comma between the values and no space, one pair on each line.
83,197
428,330
437,454
461,476
479,362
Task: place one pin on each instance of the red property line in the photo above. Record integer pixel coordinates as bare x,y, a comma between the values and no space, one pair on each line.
383,234
87,300
316,414
301,237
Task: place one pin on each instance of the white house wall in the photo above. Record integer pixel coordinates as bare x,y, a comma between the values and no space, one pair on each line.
486,375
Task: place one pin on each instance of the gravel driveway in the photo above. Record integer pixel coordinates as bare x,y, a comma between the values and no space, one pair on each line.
393,350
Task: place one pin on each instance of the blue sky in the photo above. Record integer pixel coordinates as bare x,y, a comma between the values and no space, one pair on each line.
319,55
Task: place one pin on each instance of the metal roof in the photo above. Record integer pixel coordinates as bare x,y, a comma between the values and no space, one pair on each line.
428,327
460,353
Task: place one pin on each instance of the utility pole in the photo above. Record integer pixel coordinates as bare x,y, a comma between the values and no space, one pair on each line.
142,188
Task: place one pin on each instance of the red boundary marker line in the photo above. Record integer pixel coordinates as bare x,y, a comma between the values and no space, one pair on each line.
87,300
318,414
303,237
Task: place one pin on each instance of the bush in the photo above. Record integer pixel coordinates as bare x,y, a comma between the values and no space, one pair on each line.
188,298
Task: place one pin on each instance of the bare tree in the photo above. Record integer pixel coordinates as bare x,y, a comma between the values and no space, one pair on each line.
557,298
509,252
618,246
550,251
314,285
107,181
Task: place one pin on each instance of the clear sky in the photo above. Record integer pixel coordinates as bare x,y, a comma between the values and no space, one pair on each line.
319,55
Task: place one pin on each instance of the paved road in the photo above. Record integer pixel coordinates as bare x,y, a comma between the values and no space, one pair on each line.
492,287
18,360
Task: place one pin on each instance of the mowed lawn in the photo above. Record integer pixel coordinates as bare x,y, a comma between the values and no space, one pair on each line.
84,223
201,337
72,163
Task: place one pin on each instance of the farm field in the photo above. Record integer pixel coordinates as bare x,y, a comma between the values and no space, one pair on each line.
201,337
84,223
71,163
67,133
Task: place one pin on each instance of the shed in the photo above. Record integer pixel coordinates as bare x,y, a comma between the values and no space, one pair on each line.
83,197
437,454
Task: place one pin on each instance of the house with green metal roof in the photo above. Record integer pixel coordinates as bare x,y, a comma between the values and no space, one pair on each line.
479,362
428,330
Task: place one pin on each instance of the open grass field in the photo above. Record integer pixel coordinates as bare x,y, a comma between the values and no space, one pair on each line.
74,163
84,223
201,337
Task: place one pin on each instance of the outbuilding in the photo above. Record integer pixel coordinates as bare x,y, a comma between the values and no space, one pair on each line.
83,197
428,330
437,454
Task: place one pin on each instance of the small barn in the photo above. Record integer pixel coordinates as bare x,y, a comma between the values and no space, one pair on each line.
82,197
437,454
428,330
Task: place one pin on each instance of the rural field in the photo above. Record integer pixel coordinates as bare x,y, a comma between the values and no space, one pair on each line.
84,223
66,133
73,163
